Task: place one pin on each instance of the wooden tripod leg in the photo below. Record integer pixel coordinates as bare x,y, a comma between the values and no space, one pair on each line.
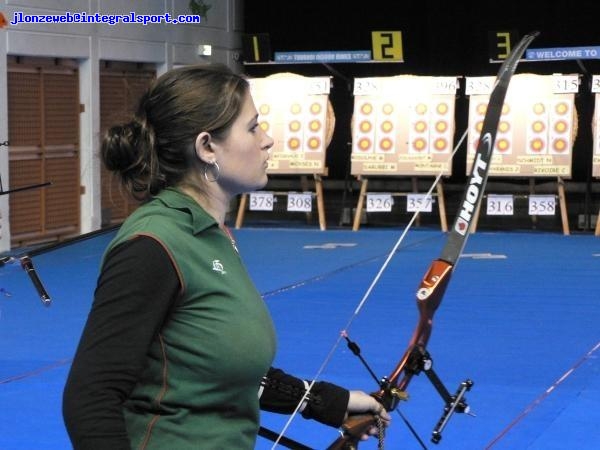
562,200
241,211
360,204
320,202
442,206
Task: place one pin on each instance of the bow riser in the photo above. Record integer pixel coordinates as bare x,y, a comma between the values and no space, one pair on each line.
429,296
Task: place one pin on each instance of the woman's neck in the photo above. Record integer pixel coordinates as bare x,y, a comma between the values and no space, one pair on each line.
215,205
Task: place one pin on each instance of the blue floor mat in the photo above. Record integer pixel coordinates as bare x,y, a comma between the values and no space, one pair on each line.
520,317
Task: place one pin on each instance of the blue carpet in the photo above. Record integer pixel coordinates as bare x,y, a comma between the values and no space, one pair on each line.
520,318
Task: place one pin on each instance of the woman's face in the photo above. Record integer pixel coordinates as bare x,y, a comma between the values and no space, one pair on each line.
244,153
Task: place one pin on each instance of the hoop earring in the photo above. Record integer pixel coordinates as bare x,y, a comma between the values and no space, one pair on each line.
217,172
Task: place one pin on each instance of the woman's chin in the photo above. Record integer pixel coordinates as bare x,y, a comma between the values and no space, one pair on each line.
251,187
264,182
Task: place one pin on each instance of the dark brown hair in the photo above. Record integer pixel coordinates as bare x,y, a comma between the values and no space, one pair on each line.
156,148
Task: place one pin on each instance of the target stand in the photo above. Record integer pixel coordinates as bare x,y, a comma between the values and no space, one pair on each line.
243,205
402,126
363,195
545,205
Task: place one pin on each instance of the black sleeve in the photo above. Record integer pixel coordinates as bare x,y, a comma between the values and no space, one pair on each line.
135,291
327,403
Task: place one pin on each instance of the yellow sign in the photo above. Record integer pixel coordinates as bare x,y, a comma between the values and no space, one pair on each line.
500,44
387,45
257,47
503,44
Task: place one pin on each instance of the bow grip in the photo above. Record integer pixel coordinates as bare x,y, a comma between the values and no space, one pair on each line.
353,428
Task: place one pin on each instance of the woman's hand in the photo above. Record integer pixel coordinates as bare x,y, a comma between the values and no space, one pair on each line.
363,403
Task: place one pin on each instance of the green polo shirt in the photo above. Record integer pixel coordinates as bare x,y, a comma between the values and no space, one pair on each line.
200,387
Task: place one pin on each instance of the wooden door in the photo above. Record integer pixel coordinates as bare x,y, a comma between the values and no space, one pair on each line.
43,129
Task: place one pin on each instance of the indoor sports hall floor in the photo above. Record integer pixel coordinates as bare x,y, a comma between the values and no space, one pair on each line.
521,318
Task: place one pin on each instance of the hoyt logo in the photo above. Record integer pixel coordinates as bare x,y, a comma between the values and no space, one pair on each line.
475,185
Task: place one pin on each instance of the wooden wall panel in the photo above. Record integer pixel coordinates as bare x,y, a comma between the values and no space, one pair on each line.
43,123
62,207
24,100
61,109
26,216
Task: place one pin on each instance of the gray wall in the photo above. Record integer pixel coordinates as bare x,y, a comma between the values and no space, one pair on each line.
165,45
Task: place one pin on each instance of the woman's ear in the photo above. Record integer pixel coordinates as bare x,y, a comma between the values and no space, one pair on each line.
204,149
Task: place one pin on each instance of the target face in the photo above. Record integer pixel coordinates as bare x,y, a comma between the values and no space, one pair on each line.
403,125
295,111
535,133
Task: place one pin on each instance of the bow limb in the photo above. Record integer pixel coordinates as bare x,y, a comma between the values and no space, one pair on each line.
433,285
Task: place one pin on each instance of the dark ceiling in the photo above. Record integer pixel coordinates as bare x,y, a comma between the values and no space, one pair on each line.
440,37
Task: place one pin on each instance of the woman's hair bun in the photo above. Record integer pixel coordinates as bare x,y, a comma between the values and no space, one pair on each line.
120,146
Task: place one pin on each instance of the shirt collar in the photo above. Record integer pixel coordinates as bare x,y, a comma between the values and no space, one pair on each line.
175,199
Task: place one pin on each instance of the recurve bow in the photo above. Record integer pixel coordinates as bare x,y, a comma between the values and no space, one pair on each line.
431,290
